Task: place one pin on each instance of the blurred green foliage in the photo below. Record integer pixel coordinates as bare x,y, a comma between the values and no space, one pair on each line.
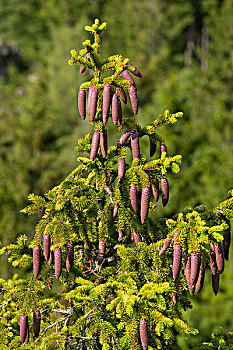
184,50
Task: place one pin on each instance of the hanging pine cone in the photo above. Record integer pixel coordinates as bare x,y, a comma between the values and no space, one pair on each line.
115,210
104,143
36,323
123,139
174,299
120,234
46,246
36,260
143,333
195,267
82,103
89,98
177,255
101,252
119,111
58,262
133,197
126,75
135,145
115,108
51,253
122,94
69,255
187,269
152,147
227,243
200,280
121,168
95,144
213,263
155,189
23,324
163,148
219,257
165,246
133,98
136,71
93,103
215,282
165,191
145,203
106,102
137,238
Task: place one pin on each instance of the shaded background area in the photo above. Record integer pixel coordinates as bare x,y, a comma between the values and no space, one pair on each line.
184,50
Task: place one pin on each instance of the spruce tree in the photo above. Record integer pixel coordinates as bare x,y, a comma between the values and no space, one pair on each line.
102,273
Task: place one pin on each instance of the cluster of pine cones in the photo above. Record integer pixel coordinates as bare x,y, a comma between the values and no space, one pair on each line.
48,254
24,326
194,268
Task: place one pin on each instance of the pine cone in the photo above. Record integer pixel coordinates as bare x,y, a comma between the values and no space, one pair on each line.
137,237
177,255
93,103
143,333
126,75
36,260
163,148
133,197
36,323
174,299
195,267
122,94
46,245
106,102
27,335
200,280
95,144
213,263
165,191
51,253
115,108
123,139
120,234
165,246
133,98
69,255
58,262
23,327
101,253
145,203
215,282
121,168
155,189
104,143
89,98
152,147
82,68
187,268
119,109
227,243
136,71
135,145
115,210
219,257
82,103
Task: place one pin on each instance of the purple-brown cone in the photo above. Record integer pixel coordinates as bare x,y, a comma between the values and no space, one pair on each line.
104,143
36,323
115,210
195,267
122,94
213,263
89,98
124,137
165,191
227,243
127,76
106,102
200,280
143,333
82,103
145,202
163,148
133,98
165,246
58,261
121,168
93,103
36,260
215,282
69,255
46,246
95,144
23,324
219,257
155,189
187,268
51,253
177,255
135,145
152,147
137,238
136,71
115,107
101,252
133,197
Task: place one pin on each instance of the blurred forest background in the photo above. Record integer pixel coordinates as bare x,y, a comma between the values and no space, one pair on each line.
184,50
